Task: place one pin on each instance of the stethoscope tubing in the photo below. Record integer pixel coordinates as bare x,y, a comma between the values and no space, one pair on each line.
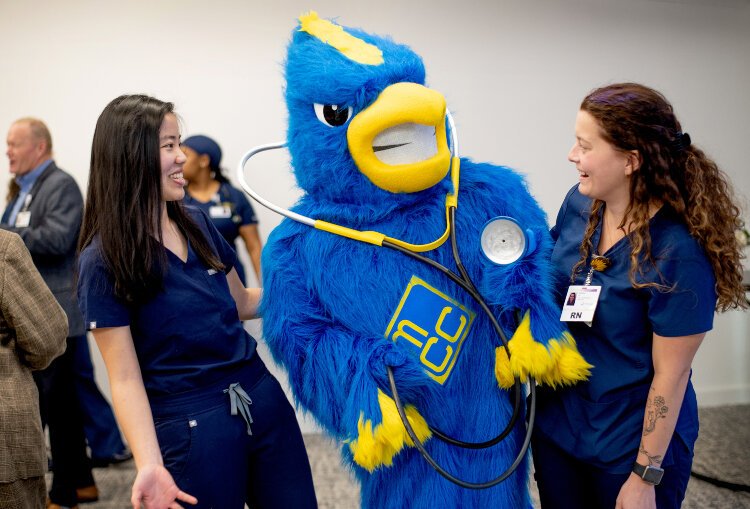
255,196
460,482
281,144
467,285
465,282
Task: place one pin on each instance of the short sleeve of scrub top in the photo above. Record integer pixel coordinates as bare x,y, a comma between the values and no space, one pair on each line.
682,308
96,293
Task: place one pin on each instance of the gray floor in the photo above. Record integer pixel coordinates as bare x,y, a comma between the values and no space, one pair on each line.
722,451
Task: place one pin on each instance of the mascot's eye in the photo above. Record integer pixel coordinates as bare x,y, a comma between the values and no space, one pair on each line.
332,114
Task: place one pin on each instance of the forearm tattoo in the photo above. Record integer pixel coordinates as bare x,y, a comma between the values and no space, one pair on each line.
655,410
652,459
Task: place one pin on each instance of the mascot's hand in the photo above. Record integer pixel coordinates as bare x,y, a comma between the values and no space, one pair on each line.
376,445
412,382
551,358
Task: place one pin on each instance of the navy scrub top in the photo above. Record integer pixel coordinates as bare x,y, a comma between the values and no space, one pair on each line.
187,336
232,211
600,421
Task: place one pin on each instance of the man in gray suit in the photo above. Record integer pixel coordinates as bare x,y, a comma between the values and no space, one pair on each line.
45,208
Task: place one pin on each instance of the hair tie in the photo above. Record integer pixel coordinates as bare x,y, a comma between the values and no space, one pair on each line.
681,142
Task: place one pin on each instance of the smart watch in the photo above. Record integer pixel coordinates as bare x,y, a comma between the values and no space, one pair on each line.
649,474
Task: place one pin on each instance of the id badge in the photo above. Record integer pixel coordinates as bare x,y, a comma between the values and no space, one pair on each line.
23,219
219,212
580,304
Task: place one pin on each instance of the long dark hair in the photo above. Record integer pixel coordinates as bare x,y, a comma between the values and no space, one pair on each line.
124,203
673,170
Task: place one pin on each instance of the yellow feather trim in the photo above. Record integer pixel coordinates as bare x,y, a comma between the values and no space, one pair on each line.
334,35
502,368
375,448
558,363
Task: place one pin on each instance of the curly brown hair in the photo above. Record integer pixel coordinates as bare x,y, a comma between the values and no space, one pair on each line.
634,117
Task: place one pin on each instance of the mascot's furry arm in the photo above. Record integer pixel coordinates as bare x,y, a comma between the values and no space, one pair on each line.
541,345
335,373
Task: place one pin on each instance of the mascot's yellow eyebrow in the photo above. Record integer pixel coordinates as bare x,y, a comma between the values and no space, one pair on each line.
351,47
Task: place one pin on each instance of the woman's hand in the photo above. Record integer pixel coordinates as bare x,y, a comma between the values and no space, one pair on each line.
636,494
246,299
154,488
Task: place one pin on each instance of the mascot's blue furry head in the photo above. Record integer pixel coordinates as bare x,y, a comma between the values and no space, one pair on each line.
351,137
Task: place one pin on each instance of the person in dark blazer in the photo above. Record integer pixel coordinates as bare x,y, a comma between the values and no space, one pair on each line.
47,214
33,328
45,207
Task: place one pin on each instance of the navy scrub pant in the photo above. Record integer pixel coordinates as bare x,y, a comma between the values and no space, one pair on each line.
567,483
211,456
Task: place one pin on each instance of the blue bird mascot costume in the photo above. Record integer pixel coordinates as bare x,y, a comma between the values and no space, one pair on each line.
369,148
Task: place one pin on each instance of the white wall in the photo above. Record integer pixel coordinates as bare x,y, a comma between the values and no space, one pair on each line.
513,71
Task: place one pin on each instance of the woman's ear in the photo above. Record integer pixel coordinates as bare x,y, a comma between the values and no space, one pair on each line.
204,161
632,161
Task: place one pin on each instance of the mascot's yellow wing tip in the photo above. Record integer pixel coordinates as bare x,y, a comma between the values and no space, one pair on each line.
376,447
570,366
556,364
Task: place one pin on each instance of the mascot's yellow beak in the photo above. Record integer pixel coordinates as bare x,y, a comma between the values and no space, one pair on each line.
399,142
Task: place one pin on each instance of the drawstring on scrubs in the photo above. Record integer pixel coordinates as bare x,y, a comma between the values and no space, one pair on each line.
240,401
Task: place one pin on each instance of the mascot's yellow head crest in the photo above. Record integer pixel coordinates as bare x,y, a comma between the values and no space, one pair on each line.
334,35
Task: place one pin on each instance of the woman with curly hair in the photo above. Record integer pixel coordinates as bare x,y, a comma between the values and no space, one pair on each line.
648,235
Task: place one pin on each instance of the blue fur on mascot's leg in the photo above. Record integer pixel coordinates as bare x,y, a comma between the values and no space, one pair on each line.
336,311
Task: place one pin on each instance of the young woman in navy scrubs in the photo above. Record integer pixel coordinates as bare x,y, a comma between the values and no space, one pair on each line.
206,422
228,207
661,215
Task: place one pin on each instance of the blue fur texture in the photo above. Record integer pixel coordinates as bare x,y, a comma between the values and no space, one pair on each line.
328,300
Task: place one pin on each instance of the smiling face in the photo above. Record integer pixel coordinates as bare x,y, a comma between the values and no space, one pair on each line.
172,159
604,171
25,151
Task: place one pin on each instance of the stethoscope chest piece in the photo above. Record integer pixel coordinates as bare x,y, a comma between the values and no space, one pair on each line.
504,242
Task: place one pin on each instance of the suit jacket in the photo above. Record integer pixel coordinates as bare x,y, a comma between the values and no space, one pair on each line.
33,329
52,236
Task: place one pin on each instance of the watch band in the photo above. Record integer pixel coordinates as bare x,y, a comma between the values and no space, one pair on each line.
648,473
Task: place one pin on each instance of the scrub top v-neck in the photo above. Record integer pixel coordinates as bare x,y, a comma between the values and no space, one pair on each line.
600,420
188,334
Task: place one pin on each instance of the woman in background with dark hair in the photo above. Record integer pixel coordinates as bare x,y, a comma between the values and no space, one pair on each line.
159,291
228,207
651,224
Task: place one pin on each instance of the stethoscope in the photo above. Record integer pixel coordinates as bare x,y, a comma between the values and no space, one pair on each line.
503,242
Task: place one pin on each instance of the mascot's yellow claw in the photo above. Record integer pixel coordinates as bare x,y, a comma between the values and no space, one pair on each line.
558,363
502,368
377,447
